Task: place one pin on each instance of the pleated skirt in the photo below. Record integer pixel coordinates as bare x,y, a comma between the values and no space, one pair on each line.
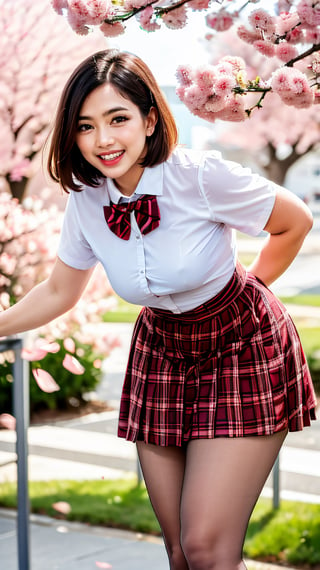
232,367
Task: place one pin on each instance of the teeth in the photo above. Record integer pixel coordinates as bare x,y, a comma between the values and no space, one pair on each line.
110,156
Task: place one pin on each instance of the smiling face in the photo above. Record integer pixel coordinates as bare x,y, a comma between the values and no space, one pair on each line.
111,136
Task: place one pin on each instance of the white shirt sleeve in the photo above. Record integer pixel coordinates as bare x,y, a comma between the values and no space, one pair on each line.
74,250
235,195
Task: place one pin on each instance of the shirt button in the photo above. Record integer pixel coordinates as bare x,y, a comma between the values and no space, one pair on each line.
137,238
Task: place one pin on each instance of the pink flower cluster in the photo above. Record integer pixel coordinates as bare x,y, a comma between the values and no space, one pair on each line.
208,91
83,14
293,87
220,21
309,12
105,14
29,237
28,240
277,36
284,32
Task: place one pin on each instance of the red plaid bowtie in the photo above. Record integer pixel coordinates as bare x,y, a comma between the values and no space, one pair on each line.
146,211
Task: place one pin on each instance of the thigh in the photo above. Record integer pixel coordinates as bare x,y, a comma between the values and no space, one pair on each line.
163,471
223,480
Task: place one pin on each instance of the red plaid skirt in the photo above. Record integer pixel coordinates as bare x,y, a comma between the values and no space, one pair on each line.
232,367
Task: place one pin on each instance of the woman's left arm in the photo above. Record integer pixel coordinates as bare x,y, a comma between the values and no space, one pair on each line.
289,223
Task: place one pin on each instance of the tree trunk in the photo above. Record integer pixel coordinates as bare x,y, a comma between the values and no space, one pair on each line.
277,169
18,188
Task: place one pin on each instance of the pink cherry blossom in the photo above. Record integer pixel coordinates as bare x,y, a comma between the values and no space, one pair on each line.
199,4
20,169
69,345
234,110
220,21
77,24
62,507
34,354
147,20
249,36
59,5
215,103
262,20
7,421
224,84
317,97
112,30
312,36
103,565
265,48
309,12
285,51
184,75
73,365
292,86
281,79
176,19
97,11
315,63
79,8
130,4
296,36
205,77
194,97
45,381
237,63
52,347
286,21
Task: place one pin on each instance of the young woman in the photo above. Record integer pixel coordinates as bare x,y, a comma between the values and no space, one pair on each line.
216,375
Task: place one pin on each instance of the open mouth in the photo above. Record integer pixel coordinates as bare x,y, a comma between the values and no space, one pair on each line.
111,157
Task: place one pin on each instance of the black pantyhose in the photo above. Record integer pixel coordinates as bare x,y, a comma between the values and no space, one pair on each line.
203,496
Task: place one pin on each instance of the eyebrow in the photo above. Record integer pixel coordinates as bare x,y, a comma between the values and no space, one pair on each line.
105,114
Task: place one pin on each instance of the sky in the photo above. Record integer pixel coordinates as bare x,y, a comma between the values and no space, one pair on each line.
164,49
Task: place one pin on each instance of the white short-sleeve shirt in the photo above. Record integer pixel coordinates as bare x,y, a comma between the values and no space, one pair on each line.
191,256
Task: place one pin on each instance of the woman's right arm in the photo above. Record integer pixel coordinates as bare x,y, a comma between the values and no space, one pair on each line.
46,301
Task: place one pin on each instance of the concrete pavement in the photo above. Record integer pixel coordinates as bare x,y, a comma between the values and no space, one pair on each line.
57,545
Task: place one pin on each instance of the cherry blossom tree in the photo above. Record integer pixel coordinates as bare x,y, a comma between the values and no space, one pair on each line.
288,30
277,135
29,235
37,53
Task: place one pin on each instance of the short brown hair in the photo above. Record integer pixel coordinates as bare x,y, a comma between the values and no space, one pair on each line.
132,78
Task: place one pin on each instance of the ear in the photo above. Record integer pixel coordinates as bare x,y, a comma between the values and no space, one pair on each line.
151,121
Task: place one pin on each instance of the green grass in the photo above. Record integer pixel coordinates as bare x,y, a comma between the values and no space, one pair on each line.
289,534
123,313
306,299
310,338
127,313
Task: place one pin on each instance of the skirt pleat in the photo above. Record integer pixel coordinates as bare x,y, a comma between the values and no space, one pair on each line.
232,367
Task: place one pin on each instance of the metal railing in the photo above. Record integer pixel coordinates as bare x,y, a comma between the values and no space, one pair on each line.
21,411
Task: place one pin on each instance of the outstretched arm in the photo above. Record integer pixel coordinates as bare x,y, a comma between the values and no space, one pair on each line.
288,225
46,301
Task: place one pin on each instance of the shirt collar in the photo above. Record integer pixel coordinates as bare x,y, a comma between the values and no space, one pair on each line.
151,182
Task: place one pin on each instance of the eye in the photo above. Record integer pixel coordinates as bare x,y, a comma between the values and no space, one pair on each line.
83,127
119,119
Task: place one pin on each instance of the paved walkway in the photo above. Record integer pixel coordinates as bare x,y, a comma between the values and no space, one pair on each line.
57,545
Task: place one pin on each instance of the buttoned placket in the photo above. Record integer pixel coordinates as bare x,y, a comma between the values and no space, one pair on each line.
141,260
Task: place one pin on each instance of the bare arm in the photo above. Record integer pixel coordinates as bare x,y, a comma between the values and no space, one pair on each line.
46,301
288,225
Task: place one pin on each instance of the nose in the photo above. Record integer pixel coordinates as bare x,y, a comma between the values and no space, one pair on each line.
104,137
